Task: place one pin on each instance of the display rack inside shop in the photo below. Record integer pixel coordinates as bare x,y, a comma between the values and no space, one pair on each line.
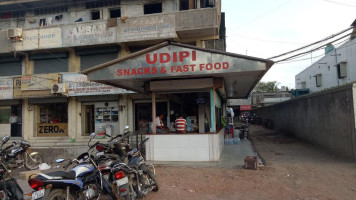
106,115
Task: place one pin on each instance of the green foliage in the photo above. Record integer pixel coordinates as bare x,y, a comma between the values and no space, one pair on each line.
271,86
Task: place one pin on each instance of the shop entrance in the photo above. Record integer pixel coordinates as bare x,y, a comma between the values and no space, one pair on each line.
143,115
89,125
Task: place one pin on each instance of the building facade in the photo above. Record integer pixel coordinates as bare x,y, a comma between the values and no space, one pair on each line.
260,99
334,69
52,51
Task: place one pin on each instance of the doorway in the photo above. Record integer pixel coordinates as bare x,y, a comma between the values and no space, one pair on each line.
89,125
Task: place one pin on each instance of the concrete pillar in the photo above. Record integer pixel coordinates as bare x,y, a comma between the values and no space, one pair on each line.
28,120
124,50
212,110
29,65
72,118
153,112
73,61
123,113
130,113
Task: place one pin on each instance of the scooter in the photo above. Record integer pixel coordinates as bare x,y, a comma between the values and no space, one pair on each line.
84,181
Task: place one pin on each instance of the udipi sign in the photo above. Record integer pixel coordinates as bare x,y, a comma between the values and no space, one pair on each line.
172,61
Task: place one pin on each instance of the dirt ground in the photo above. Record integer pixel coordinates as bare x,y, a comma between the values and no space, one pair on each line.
294,170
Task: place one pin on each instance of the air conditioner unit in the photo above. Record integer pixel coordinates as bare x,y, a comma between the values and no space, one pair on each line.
13,33
59,88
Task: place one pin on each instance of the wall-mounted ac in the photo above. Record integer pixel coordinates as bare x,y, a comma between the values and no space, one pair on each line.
14,33
59,88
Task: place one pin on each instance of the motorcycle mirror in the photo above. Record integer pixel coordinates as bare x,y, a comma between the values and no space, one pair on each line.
5,139
126,128
92,135
59,160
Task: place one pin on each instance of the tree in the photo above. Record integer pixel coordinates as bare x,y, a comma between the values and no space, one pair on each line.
270,86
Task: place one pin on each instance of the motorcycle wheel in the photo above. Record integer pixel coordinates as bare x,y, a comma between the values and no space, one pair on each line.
153,178
31,165
59,194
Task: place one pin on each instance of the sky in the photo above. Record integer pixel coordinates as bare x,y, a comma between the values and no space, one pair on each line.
266,28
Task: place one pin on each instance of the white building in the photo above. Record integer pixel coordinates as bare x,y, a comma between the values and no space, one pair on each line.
336,68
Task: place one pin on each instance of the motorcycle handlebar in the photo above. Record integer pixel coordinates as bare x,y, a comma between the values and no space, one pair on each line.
92,146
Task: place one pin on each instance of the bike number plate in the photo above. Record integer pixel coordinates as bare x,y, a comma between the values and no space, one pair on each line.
122,181
38,194
99,153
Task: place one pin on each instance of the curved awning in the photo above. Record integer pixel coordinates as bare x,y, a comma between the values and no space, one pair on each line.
180,61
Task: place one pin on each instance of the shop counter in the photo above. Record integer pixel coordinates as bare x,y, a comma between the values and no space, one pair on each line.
185,146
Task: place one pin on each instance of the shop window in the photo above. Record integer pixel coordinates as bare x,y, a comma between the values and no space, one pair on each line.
152,8
5,113
53,113
115,13
96,15
53,120
341,70
318,80
207,3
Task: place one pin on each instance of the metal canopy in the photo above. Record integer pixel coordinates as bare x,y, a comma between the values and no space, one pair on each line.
179,61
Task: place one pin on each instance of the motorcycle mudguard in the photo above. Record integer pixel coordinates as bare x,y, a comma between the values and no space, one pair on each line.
14,189
126,186
34,153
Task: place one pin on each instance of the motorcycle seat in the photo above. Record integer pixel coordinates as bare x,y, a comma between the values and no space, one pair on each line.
59,175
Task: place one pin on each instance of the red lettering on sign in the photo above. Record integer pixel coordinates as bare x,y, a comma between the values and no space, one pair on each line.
209,66
185,68
154,70
175,57
148,60
192,66
194,55
126,72
140,71
182,55
201,66
119,72
164,57
179,69
217,65
225,65
147,70
133,72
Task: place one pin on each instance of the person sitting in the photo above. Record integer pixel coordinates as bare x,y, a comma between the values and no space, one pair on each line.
181,124
160,128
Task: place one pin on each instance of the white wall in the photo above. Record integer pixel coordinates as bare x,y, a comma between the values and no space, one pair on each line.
327,67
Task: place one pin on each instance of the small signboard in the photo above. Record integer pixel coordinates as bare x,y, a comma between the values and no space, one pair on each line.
6,88
245,107
52,129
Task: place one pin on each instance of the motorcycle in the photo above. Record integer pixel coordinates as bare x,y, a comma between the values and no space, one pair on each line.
84,181
135,179
19,154
9,189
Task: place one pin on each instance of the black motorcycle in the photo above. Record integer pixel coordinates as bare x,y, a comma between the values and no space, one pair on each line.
19,154
9,189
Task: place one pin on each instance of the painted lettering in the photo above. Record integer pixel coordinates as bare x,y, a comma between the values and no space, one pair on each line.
149,61
164,57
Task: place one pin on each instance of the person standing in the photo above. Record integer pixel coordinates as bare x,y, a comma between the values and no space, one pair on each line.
181,124
13,120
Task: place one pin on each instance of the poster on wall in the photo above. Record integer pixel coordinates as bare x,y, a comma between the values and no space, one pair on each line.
39,81
78,85
6,88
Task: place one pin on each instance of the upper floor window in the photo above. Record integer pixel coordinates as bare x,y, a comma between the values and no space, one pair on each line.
318,80
115,13
304,85
341,70
152,8
96,14
12,14
50,10
187,4
101,3
207,3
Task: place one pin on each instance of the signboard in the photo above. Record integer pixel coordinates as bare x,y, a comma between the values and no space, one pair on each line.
6,88
78,85
175,61
90,33
41,38
148,27
39,81
52,129
245,107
